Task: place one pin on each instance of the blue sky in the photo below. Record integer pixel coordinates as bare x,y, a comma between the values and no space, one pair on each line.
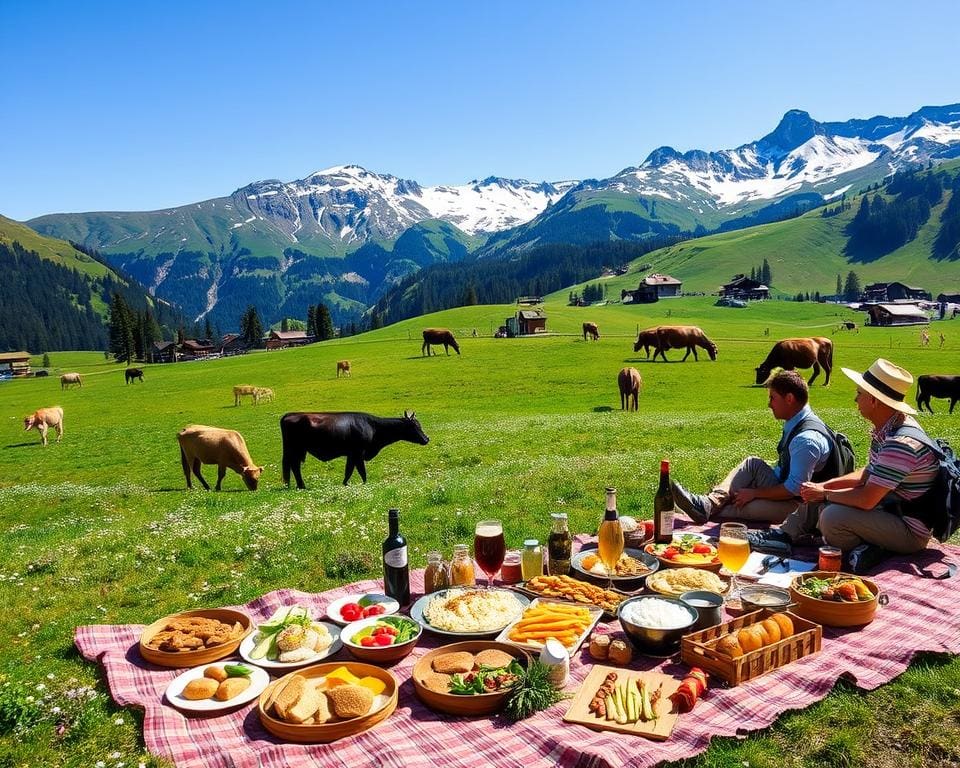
139,106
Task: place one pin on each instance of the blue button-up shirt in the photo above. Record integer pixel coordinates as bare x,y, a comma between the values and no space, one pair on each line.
809,452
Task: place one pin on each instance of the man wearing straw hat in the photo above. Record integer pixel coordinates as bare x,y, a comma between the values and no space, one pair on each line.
863,513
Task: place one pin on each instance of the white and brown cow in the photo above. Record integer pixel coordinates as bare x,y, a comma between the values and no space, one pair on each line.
67,379
211,445
43,419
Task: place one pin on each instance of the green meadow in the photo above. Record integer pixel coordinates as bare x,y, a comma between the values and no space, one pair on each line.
100,528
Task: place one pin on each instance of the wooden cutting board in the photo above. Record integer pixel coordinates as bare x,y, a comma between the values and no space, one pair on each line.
660,728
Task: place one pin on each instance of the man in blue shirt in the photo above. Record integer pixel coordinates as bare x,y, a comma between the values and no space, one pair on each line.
754,490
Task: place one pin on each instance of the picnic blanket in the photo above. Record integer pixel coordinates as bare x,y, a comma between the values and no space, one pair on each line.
922,615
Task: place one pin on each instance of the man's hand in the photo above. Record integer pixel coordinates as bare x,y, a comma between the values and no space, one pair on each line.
812,492
744,496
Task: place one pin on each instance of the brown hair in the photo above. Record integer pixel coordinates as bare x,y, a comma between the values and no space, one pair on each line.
789,383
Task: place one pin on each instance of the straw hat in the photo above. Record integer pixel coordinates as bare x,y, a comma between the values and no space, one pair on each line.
887,382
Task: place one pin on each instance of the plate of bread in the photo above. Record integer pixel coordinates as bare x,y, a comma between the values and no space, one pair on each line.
215,687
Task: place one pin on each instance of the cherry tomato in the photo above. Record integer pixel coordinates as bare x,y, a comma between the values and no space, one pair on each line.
369,641
373,610
351,612
669,553
702,549
383,639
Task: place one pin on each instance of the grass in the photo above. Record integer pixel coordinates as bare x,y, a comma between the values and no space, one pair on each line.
99,528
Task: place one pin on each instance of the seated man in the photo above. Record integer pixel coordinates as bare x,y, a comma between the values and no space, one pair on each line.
758,492
867,512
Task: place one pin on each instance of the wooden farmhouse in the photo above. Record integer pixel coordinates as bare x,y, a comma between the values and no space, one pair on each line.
15,363
743,287
653,288
526,322
284,339
887,292
896,314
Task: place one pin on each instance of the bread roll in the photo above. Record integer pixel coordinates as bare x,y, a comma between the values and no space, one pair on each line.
350,700
201,688
216,673
599,646
450,663
232,686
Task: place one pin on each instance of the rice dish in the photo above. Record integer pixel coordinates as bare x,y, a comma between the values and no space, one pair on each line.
472,610
675,581
657,614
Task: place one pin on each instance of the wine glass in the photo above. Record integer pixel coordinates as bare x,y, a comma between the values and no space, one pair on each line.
733,551
489,547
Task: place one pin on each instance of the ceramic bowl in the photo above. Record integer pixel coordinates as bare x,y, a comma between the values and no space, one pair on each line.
378,654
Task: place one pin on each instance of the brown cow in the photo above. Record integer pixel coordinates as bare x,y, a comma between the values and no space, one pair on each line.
680,337
630,383
70,378
646,339
343,366
244,390
790,354
591,330
43,419
211,445
438,336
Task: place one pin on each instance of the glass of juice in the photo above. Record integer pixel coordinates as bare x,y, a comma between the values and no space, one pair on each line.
733,551
489,547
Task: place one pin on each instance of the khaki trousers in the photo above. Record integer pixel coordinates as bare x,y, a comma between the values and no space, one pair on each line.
847,527
752,472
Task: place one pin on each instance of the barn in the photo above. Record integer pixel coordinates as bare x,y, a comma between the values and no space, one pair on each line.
14,364
896,314
743,287
653,288
527,322
284,339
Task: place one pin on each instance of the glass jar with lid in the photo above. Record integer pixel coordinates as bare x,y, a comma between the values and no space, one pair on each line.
437,574
559,546
531,559
462,573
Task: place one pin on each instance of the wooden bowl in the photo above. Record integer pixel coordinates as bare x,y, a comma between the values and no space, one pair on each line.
200,655
452,703
321,733
665,563
829,612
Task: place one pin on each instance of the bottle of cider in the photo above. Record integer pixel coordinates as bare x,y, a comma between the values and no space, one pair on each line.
396,570
663,507
610,535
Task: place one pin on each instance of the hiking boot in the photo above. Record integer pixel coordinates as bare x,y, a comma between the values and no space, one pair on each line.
773,541
693,505
865,557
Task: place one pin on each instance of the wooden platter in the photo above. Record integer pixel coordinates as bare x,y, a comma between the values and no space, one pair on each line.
199,656
323,733
658,729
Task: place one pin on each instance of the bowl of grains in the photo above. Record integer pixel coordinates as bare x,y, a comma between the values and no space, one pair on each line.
463,612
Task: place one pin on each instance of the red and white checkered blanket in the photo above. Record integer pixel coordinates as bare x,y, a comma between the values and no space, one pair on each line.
922,615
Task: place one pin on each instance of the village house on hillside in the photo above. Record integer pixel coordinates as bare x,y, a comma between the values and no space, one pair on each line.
196,349
526,322
896,314
15,364
653,288
284,339
743,287
888,292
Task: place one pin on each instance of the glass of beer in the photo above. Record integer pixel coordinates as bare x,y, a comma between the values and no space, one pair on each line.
489,547
733,551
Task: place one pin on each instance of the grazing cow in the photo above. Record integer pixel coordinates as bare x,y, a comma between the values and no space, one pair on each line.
438,336
790,354
244,390
629,382
646,339
590,329
131,374
343,366
70,378
683,336
40,374
262,395
358,436
211,445
43,420
937,386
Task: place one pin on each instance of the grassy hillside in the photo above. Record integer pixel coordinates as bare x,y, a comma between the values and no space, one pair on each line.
99,528
59,251
805,254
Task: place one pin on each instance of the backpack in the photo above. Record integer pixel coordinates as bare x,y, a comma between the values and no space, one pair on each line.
841,460
938,508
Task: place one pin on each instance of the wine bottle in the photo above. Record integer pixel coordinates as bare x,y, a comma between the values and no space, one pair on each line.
396,570
663,507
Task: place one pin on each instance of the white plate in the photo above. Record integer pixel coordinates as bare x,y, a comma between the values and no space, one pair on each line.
259,680
417,609
390,605
535,645
250,641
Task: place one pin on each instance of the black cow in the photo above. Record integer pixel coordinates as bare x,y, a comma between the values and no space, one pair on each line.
358,436
937,386
131,374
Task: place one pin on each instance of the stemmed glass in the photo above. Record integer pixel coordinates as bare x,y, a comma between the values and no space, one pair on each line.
733,551
489,547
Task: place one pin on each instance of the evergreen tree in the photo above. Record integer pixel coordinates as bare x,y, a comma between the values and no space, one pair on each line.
46,360
470,297
207,329
839,292
753,273
766,276
251,329
851,289
284,325
312,321
325,323
121,330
